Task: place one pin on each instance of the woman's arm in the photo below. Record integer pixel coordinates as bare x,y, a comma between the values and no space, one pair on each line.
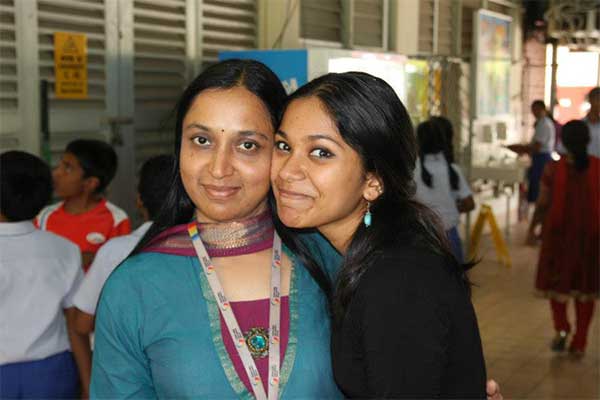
80,345
463,196
542,205
120,368
465,205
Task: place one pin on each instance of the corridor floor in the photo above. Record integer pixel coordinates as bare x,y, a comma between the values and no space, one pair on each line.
516,330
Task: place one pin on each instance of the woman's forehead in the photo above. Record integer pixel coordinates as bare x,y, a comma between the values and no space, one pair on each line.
235,108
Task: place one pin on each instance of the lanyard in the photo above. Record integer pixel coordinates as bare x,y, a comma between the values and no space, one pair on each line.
232,325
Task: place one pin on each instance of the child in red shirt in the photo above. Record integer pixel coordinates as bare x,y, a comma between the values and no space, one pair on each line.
84,216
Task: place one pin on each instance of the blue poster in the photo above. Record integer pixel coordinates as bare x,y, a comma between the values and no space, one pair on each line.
291,66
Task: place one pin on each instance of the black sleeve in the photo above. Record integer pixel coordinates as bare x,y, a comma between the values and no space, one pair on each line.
404,315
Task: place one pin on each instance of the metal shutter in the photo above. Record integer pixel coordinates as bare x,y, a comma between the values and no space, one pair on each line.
227,25
321,20
161,70
426,26
9,87
445,28
436,27
369,20
499,8
468,9
70,119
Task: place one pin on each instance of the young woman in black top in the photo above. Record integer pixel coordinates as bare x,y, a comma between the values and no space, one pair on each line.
404,323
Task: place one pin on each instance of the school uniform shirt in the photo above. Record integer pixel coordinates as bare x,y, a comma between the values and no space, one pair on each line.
594,144
544,134
39,272
108,257
441,198
88,230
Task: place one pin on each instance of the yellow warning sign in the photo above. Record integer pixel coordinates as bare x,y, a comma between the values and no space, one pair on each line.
486,215
70,65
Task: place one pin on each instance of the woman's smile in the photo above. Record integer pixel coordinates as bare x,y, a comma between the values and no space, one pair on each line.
219,192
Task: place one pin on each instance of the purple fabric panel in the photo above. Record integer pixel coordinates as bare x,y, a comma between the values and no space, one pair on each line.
255,314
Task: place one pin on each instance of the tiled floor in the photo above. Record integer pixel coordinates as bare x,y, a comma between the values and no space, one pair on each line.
516,330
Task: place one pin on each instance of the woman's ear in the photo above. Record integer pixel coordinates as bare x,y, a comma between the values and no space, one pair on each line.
373,187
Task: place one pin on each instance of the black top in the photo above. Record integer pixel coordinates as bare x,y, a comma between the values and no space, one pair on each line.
410,332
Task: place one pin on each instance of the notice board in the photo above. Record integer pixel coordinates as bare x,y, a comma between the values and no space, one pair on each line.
70,65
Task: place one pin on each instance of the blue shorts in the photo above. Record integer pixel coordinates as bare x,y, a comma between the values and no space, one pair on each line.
54,377
534,175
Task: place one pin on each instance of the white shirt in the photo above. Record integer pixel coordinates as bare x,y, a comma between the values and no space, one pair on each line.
108,257
545,134
39,272
593,148
441,198
594,144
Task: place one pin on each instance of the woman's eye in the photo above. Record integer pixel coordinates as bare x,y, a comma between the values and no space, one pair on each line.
321,153
248,146
283,146
201,140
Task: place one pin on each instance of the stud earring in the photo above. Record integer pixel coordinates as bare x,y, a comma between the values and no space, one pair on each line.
367,218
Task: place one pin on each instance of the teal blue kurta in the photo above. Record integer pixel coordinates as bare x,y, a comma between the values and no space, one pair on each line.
158,334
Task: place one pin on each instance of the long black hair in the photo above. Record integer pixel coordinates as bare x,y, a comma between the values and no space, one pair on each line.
258,79
575,137
375,123
445,126
432,140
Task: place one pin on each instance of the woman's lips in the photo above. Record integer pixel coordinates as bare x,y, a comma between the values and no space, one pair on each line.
288,194
220,192
290,197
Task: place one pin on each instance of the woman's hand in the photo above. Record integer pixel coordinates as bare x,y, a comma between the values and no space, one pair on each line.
532,238
493,390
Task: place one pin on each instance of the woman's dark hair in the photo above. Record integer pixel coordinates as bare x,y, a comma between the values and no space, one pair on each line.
575,137
257,78
375,123
25,185
432,140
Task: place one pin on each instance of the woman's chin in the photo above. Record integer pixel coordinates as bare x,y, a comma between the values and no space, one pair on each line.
292,219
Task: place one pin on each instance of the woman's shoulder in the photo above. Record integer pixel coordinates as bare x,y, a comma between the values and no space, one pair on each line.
148,264
322,252
143,270
409,266
412,279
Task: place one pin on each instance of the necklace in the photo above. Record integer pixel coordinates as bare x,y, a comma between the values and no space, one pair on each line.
220,239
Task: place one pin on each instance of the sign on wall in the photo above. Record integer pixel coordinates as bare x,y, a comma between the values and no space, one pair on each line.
70,65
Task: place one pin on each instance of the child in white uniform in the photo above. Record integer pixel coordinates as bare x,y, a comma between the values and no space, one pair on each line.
39,272
440,183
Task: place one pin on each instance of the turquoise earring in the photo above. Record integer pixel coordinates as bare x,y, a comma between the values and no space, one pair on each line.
367,218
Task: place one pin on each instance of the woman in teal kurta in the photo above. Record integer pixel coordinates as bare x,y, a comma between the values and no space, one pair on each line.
158,334
158,328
